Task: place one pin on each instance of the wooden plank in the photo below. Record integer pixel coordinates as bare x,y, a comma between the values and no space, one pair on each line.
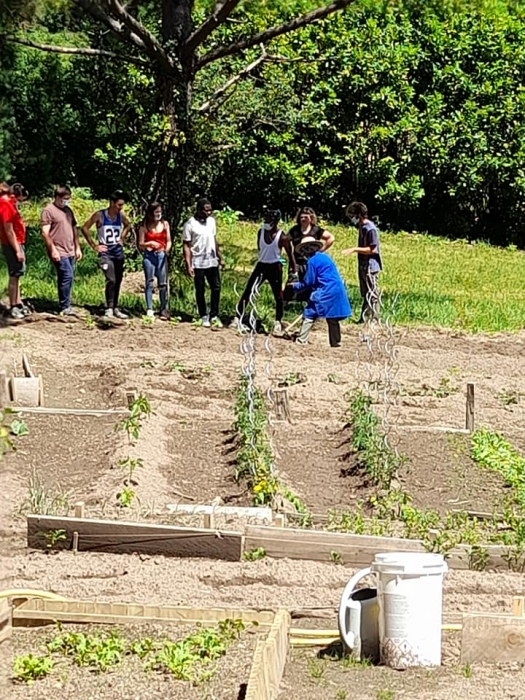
126,537
79,509
25,391
262,514
48,410
492,639
269,660
85,611
469,418
26,366
6,627
518,606
356,550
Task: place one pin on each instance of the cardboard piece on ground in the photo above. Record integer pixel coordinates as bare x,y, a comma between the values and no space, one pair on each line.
25,391
37,610
119,537
492,639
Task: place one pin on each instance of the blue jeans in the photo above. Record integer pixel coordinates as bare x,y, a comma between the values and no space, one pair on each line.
154,265
65,273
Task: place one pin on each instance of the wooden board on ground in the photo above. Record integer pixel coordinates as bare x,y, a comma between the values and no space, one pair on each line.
269,660
126,537
39,611
492,639
358,550
5,620
26,391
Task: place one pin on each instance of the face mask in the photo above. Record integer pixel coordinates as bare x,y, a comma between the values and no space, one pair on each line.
66,202
158,217
354,220
267,227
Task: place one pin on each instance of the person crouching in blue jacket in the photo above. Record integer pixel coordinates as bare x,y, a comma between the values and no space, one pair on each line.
328,298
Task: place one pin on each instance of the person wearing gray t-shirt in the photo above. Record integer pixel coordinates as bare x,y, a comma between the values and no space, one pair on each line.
369,262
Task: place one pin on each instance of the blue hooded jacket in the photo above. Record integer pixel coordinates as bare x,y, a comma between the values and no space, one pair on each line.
328,298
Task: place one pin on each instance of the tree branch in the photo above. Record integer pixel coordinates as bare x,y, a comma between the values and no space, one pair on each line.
116,27
74,50
219,96
271,33
223,9
155,50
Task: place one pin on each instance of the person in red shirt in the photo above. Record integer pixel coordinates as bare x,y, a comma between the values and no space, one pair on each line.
12,240
155,243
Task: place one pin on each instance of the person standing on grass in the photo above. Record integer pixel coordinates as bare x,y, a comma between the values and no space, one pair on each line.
12,240
60,232
202,256
155,243
369,262
270,242
306,225
328,298
112,228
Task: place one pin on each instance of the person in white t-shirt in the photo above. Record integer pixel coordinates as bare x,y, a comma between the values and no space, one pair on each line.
203,257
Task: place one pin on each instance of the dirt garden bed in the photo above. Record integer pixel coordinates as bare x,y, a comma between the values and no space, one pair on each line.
134,661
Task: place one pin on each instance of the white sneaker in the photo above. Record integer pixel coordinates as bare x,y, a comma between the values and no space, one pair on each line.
277,327
17,312
108,313
150,314
119,314
206,322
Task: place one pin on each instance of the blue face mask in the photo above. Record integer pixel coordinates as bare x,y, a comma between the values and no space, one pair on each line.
355,220
66,202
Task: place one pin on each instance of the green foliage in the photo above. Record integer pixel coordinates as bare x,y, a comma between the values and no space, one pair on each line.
53,537
6,443
492,451
254,456
30,667
255,554
126,497
374,454
19,428
140,409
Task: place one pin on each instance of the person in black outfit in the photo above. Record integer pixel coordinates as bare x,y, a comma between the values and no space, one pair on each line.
306,225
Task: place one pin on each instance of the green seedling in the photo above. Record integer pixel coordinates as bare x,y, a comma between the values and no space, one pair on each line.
52,538
148,364
19,428
315,668
336,558
255,554
467,670
334,379
148,321
89,322
126,497
30,668
140,409
175,366
293,378
130,465
509,397
341,695
385,694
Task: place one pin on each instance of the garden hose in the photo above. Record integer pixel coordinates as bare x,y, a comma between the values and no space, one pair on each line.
29,593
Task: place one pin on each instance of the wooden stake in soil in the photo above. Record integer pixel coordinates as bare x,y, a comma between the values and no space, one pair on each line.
469,423
79,509
5,621
282,406
518,606
4,390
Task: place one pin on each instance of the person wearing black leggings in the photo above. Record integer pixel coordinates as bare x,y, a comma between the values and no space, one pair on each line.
270,242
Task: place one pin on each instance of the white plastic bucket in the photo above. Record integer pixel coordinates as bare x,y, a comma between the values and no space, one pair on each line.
410,593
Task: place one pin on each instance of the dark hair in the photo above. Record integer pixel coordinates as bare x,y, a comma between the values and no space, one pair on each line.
201,203
62,190
116,195
18,190
311,213
272,215
357,209
150,210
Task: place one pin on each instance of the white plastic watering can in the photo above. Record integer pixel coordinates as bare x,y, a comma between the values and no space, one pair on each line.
359,618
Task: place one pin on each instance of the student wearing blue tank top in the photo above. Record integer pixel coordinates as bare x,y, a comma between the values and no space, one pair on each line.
112,228
270,242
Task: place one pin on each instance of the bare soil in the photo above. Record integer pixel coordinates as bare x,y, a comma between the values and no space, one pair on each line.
187,459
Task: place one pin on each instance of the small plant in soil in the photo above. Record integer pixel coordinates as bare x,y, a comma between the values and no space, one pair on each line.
292,378
19,428
43,501
30,668
52,538
255,554
129,465
315,668
349,661
467,671
140,409
341,695
148,364
336,558
334,379
126,497
89,322
385,694
509,397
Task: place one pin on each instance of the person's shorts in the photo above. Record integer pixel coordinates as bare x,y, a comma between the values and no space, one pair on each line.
15,268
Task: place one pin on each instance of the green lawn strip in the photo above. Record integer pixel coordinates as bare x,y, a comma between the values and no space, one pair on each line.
426,280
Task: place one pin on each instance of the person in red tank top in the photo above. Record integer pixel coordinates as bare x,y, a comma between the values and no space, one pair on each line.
155,243
12,240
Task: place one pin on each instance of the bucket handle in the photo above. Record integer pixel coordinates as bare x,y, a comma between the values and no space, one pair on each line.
347,602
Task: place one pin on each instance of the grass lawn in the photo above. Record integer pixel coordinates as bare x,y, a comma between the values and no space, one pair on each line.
426,280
